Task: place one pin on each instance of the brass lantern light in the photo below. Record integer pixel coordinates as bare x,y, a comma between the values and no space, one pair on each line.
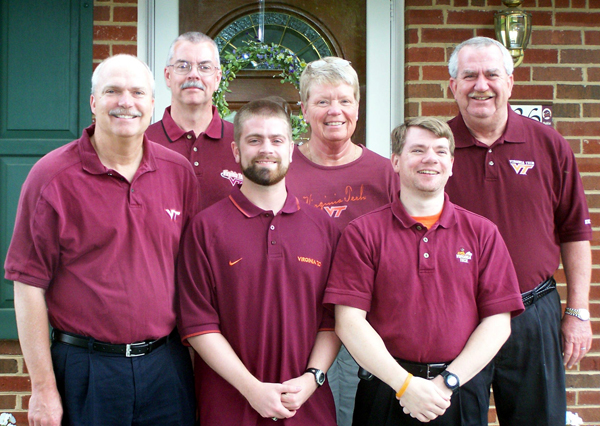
513,29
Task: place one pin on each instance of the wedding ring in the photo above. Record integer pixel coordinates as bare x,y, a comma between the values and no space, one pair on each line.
583,348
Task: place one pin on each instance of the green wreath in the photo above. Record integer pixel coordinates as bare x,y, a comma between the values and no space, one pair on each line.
274,57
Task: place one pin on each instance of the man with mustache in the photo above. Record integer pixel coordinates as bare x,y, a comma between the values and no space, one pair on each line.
191,126
251,279
93,255
523,176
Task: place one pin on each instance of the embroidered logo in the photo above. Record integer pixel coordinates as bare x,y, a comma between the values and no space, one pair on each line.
463,256
173,214
588,221
309,260
235,261
522,167
233,177
334,211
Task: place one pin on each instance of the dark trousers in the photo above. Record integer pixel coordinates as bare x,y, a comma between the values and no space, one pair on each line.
527,375
102,389
376,405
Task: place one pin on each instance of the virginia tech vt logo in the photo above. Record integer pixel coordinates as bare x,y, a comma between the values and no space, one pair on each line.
522,167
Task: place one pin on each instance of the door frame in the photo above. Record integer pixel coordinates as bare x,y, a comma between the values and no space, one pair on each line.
158,25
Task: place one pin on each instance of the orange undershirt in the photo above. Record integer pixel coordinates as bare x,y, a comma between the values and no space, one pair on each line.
428,221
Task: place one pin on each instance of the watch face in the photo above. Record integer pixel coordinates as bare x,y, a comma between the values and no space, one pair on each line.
584,314
452,381
320,377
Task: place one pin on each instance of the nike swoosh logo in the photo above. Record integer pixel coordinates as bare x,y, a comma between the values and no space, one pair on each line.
235,261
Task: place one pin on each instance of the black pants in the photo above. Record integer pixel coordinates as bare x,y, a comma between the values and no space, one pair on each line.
527,375
376,405
102,389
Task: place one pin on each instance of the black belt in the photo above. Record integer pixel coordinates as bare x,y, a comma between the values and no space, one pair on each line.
128,350
531,296
425,371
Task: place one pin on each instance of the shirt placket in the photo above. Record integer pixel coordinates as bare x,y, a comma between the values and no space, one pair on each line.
425,249
491,166
274,247
196,157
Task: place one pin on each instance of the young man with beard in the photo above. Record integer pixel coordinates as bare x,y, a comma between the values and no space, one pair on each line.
252,275
422,287
192,126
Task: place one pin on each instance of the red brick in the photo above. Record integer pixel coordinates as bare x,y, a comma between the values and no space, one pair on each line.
445,35
477,18
411,110
20,417
593,74
412,73
435,72
578,92
576,19
8,402
592,146
592,37
579,3
571,397
544,3
424,91
125,14
101,51
130,49
101,13
531,92
541,56
8,366
445,110
413,3
15,384
588,165
412,36
562,3
485,32
541,19
522,74
461,3
557,74
566,110
443,2
25,401
590,415
591,110
593,202
424,16
425,54
115,32
575,145
555,37
579,56
590,363
10,347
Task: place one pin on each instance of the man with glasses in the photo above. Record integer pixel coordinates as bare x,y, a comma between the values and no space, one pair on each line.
192,126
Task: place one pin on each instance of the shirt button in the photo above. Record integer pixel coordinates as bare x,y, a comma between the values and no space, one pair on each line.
491,163
132,190
272,227
490,150
189,136
195,149
196,163
419,227
273,242
267,215
426,255
425,239
110,174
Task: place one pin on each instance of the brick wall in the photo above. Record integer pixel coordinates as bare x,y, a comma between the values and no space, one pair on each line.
562,68
115,31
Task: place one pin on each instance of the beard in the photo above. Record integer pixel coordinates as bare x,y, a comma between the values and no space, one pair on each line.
263,176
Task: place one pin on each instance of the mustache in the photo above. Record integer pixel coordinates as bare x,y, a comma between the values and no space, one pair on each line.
123,111
192,83
481,95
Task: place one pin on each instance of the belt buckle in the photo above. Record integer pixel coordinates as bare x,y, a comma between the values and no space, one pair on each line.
128,347
430,366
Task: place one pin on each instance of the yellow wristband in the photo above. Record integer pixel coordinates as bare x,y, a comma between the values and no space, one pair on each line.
404,386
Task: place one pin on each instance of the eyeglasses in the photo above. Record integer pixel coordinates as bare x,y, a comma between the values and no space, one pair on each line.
184,67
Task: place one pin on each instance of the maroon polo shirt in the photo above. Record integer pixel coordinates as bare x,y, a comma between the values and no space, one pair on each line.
347,191
528,184
210,154
259,280
103,249
424,291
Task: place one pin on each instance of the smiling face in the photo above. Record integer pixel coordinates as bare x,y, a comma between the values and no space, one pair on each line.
122,101
425,163
332,112
482,87
193,88
264,149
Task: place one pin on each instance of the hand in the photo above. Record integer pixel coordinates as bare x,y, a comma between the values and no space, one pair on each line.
307,384
266,399
425,400
45,407
576,335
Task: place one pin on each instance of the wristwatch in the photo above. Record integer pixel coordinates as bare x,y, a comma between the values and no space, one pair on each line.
450,380
582,314
319,375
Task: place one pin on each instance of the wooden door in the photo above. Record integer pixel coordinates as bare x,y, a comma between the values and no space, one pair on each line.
341,24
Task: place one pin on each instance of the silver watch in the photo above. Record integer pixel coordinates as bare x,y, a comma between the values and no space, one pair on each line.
582,314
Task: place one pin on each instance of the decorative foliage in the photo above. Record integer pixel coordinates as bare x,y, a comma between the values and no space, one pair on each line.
7,419
272,57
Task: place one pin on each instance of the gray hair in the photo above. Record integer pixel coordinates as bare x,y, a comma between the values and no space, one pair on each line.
102,65
480,43
194,37
329,70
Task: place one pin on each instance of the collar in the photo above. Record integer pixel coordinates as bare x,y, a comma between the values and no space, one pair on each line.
447,218
215,129
91,162
514,132
248,209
